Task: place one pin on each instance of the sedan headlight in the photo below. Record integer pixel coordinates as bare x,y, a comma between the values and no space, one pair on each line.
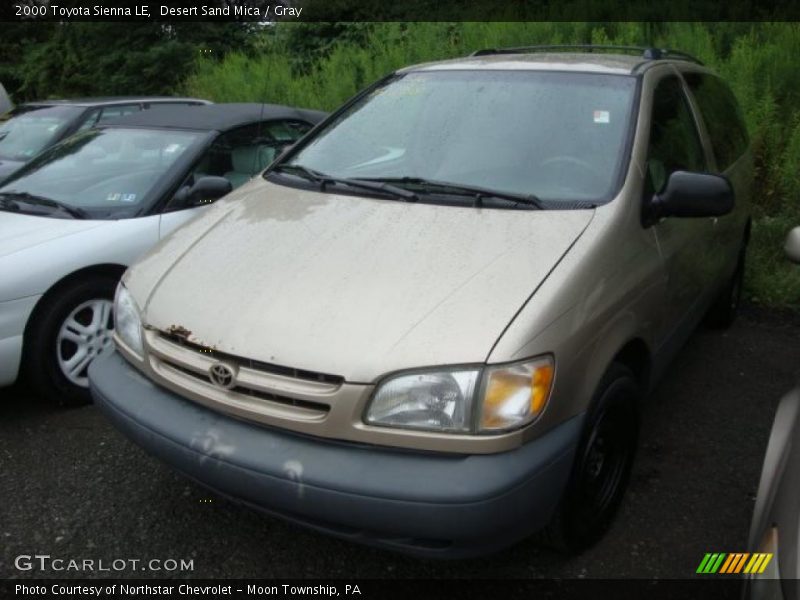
464,400
127,322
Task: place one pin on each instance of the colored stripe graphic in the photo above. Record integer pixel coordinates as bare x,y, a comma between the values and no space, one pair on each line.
730,564
742,559
765,562
753,564
703,563
734,563
711,563
758,563
727,564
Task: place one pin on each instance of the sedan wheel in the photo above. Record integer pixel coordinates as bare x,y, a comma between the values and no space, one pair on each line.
71,326
83,335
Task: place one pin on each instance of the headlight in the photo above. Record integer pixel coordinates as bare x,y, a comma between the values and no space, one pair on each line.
437,401
464,400
127,322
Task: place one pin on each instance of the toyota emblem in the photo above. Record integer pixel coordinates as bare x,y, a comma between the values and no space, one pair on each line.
222,376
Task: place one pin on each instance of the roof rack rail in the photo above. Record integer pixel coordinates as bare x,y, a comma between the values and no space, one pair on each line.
648,53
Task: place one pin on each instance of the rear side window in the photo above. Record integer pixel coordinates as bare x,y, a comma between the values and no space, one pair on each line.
674,141
106,114
721,115
115,112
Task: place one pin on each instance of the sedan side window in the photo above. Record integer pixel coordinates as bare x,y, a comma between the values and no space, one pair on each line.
240,154
674,141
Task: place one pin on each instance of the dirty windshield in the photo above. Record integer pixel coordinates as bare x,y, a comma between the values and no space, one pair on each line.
560,137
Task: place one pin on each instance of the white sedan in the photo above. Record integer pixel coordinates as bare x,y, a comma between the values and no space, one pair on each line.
74,218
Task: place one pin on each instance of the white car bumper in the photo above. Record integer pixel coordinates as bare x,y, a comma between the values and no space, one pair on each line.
13,317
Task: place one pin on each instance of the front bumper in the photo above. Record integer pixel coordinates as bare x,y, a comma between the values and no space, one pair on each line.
429,504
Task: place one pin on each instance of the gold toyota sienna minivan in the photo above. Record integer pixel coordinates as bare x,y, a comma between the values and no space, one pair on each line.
430,324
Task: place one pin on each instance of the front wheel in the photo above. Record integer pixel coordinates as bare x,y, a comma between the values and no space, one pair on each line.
602,464
68,331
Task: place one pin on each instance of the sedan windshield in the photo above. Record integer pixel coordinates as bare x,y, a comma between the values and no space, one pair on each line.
554,136
102,171
32,128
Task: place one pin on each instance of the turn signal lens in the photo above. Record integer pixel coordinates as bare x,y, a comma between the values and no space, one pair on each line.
516,394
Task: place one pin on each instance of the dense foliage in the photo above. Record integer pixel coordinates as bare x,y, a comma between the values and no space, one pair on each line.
47,60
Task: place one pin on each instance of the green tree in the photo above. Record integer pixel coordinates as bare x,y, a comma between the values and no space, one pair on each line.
16,39
110,58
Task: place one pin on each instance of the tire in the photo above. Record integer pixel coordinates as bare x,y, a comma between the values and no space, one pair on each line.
74,321
723,312
602,464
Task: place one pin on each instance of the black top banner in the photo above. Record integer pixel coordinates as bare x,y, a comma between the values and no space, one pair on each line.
271,11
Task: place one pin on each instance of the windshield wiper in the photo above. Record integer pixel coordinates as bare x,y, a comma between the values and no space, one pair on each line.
323,179
14,198
9,204
479,194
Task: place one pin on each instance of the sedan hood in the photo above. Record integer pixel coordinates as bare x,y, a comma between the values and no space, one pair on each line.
21,231
350,286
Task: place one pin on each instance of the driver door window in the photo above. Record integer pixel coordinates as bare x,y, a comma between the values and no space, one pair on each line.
674,142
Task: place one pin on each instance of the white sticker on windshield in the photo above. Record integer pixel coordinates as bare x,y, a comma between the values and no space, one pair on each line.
602,116
172,148
118,197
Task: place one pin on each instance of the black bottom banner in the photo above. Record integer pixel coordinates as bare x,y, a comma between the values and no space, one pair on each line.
403,589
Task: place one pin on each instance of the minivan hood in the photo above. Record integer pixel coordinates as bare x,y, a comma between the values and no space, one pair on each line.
351,286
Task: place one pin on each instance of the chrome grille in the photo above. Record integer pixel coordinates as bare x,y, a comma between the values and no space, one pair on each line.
253,364
247,391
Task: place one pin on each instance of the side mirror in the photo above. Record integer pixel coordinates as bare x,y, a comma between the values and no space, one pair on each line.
204,191
792,245
692,195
